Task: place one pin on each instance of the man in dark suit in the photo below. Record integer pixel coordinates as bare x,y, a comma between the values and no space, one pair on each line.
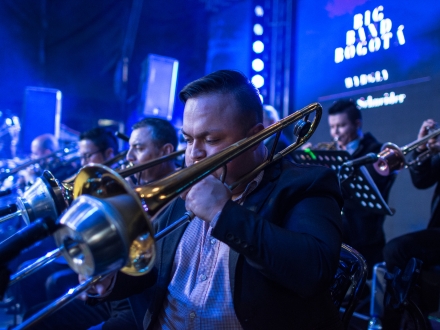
258,257
362,228
422,244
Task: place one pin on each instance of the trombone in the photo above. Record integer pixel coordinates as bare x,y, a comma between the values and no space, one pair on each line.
108,227
392,157
48,197
56,154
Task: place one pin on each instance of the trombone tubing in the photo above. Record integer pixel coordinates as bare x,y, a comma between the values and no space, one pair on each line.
160,192
57,304
62,153
138,168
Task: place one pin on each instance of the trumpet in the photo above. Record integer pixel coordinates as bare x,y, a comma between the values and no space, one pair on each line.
108,226
392,157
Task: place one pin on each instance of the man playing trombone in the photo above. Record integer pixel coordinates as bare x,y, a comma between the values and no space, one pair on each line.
150,139
260,256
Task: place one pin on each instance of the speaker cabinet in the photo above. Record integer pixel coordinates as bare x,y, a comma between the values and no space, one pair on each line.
158,86
41,114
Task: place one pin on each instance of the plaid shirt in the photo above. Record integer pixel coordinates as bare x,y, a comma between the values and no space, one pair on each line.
199,294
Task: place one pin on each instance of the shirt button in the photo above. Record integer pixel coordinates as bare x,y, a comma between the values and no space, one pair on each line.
192,315
212,241
202,277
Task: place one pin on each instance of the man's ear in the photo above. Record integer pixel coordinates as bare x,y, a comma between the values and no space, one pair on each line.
255,129
109,153
358,123
166,149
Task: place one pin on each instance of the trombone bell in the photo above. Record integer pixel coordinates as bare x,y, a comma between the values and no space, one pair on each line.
390,159
106,228
45,198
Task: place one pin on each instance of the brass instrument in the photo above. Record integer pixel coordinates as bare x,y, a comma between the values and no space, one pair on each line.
108,226
332,145
392,157
36,162
49,197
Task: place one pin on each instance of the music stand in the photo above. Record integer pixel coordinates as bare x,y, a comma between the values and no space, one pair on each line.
357,182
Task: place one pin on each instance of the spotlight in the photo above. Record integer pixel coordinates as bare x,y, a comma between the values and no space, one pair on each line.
259,11
258,81
258,47
258,29
257,65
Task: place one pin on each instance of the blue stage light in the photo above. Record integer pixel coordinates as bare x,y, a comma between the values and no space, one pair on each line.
258,47
258,81
258,29
259,11
257,65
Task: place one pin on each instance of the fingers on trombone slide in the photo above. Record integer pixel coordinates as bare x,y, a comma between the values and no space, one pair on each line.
100,289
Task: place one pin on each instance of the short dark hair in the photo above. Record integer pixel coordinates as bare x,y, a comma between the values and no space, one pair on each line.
348,107
162,132
231,82
102,138
49,142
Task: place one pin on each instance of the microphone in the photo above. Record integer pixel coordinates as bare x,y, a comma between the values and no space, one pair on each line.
367,159
122,136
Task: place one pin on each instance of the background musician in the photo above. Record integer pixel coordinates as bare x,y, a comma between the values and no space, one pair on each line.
423,244
362,228
43,145
263,261
97,146
152,138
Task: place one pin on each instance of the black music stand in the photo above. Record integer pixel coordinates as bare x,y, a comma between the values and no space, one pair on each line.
355,181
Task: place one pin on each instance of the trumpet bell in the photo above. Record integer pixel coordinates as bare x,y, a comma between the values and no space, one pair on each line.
390,159
106,227
45,198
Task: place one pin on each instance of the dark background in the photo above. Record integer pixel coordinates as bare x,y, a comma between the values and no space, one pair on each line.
77,46
413,68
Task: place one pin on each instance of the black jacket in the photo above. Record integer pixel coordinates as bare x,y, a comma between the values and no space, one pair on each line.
285,242
425,175
363,227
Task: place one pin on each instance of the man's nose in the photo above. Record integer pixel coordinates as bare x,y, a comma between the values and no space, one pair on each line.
130,155
197,152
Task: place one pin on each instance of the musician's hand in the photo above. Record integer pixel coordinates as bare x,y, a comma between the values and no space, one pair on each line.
100,288
434,145
424,130
207,197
